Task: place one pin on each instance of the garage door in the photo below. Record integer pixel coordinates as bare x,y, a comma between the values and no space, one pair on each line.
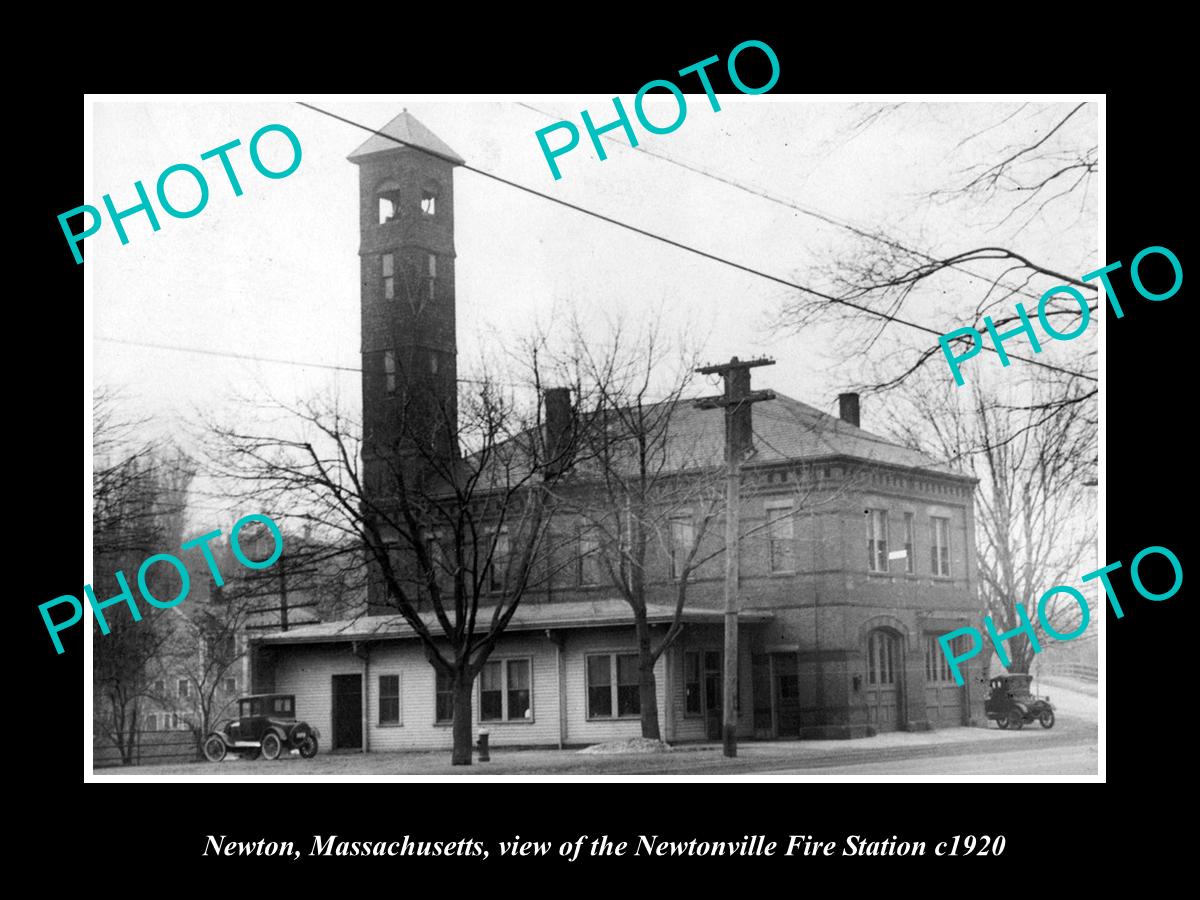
883,677
943,697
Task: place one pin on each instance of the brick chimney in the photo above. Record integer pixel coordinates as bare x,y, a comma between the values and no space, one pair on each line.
560,425
848,408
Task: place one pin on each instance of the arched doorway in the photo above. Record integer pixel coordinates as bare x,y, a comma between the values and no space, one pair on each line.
885,665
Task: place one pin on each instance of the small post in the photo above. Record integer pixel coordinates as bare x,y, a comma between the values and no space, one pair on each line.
483,745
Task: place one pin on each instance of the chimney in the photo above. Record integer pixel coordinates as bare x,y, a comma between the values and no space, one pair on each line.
560,422
848,408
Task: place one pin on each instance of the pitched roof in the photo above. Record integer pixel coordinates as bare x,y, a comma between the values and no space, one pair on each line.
406,128
528,617
786,429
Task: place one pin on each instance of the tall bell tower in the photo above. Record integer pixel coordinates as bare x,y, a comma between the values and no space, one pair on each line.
406,252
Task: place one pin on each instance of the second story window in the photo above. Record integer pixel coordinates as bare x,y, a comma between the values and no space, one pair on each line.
431,269
591,570
909,554
780,537
183,689
389,370
388,270
682,538
498,565
940,547
877,540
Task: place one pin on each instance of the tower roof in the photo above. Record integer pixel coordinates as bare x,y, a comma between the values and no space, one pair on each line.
406,128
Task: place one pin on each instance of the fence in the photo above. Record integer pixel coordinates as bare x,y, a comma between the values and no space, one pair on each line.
149,748
1064,669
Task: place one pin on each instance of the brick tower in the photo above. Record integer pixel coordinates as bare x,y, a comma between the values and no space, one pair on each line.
406,222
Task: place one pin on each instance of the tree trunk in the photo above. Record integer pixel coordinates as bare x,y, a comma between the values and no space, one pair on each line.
647,686
462,720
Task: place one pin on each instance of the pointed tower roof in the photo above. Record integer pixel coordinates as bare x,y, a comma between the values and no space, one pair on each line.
406,128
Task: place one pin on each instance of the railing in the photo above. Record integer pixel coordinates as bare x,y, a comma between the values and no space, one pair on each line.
1063,669
149,748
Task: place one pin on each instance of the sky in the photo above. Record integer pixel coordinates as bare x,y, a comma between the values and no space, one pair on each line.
274,272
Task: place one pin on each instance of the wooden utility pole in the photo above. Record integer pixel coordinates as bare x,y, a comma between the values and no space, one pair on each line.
736,401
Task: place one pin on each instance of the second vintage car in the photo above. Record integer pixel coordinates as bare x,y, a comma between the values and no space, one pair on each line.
266,725
1012,705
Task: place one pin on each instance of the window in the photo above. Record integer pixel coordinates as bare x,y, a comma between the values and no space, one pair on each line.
433,362
504,691
497,571
432,273
877,542
881,659
389,276
702,684
940,548
230,685
780,537
590,563
152,721
183,689
937,666
160,688
444,698
389,699
389,370
909,556
175,721
282,705
428,202
683,535
388,197
222,648
606,693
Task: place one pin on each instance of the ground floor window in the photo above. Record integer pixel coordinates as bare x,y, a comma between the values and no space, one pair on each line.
504,691
613,685
444,701
389,699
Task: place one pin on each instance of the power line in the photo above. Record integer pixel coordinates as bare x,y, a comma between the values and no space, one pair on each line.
815,213
698,252
269,359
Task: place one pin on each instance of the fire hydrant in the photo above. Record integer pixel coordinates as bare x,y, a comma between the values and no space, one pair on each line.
482,746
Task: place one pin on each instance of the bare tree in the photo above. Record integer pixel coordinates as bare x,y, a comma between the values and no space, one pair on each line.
1034,515
644,492
138,500
449,505
1033,163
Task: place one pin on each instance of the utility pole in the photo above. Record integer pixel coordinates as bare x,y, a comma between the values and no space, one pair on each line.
736,401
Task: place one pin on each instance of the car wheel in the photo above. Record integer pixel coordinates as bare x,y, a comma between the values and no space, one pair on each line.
308,747
271,746
1002,722
1015,719
214,749
1047,718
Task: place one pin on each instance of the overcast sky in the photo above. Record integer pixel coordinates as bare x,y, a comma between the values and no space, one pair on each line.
274,272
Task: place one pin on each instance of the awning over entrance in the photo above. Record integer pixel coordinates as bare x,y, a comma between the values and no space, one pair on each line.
528,617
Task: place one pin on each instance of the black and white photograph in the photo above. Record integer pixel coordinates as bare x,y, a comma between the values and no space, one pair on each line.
531,438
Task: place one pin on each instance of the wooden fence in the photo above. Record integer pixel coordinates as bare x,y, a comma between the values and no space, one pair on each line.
150,748
1064,669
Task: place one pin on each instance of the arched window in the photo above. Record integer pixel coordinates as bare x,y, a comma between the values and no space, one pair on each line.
388,197
429,198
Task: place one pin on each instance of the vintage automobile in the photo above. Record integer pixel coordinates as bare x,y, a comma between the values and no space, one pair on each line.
1011,704
267,725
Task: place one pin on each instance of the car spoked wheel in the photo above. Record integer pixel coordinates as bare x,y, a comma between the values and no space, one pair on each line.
1047,718
308,747
271,746
214,749
1015,720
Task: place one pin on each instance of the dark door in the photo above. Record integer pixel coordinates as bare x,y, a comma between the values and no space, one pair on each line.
787,694
714,688
764,718
347,712
882,694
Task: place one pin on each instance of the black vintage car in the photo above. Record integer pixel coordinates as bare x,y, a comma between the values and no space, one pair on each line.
267,725
1011,704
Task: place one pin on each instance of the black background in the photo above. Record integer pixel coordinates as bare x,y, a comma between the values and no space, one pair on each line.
1051,828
